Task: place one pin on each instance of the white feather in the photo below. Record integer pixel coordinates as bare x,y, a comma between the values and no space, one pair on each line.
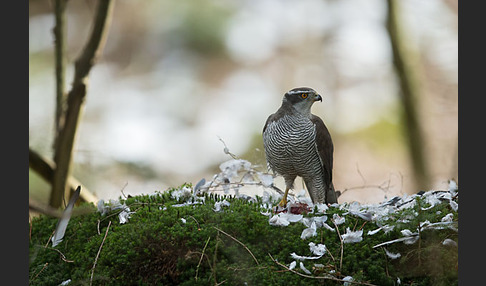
64,220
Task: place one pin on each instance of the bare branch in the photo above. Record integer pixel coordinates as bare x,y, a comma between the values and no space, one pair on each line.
45,168
60,47
75,100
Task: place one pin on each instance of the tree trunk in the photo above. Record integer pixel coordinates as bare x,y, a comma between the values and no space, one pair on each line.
409,95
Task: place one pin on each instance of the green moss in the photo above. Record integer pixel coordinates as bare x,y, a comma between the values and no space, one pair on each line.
157,248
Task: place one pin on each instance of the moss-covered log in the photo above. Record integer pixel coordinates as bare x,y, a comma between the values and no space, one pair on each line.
182,239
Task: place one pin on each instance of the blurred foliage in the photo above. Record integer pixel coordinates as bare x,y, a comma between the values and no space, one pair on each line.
203,27
39,189
157,247
382,135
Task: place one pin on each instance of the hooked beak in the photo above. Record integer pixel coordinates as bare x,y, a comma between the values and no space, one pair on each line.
318,97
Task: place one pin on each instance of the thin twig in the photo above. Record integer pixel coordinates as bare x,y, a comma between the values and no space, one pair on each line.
45,265
332,257
318,277
342,246
355,224
63,257
385,187
362,225
254,258
386,261
233,184
198,226
246,268
226,149
98,254
401,182
47,243
419,245
126,184
213,186
215,255
359,172
202,255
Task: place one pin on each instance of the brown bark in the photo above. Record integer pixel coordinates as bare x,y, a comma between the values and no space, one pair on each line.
75,102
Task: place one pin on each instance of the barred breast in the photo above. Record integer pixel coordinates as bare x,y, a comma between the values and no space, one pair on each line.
291,151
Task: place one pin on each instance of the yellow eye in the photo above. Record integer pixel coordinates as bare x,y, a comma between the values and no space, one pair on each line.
304,95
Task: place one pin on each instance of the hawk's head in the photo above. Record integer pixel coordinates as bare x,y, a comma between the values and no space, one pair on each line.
302,98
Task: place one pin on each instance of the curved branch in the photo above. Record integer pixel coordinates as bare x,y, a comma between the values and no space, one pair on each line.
45,168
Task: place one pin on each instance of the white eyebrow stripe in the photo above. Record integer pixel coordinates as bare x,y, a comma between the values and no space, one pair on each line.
299,91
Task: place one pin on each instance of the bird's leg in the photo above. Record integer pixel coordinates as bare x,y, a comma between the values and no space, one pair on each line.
283,202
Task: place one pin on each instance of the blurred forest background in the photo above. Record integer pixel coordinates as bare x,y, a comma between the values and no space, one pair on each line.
175,76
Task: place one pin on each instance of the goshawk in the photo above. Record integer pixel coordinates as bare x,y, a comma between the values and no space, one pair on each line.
297,143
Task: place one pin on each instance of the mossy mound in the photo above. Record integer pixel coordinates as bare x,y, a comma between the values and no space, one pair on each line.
188,240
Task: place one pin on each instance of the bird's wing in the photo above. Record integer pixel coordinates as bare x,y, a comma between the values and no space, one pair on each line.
324,147
269,119
285,109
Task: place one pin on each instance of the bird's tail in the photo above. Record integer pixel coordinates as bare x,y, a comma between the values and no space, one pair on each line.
331,194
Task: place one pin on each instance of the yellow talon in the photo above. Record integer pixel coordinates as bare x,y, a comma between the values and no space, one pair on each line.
283,202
